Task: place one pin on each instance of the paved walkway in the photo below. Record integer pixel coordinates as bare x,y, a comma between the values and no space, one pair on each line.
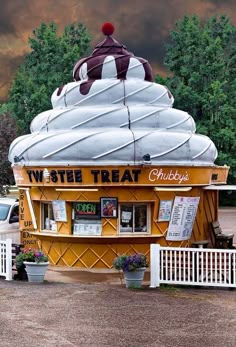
71,275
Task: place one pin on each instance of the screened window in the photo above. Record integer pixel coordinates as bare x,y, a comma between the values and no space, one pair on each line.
134,218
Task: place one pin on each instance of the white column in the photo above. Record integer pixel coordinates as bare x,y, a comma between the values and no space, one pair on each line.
155,265
8,260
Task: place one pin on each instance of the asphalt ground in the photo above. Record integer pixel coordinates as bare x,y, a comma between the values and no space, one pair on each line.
87,308
104,314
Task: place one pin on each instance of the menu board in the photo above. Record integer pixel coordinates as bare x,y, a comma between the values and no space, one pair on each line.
182,218
165,210
87,229
59,210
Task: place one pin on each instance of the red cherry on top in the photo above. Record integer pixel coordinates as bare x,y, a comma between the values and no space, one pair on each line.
108,29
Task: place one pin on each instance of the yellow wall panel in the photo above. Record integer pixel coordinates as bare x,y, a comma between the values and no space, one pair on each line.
65,249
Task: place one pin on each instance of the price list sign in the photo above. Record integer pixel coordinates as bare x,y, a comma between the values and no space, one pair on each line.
182,218
59,210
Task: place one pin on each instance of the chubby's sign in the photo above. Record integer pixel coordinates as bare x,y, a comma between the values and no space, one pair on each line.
119,176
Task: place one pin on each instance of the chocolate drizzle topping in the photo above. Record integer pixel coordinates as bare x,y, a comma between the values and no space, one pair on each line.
93,64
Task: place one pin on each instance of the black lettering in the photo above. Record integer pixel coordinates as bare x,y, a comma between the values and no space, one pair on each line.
38,175
29,173
53,175
78,176
29,242
115,175
105,176
26,234
21,216
136,173
95,174
70,176
61,174
126,176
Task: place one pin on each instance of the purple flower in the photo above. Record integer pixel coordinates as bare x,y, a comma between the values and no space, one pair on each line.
130,262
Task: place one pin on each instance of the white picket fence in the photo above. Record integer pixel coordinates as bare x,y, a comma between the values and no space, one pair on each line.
192,266
6,259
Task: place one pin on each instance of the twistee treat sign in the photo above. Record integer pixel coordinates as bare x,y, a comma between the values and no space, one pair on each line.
182,218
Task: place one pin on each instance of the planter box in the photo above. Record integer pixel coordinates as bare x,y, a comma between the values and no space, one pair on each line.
36,271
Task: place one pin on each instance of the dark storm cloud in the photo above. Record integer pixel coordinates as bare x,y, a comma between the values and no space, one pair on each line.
221,3
143,26
6,26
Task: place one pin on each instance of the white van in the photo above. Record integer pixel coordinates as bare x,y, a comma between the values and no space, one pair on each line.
9,220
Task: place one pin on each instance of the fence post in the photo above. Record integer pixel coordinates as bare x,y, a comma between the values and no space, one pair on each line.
155,265
8,259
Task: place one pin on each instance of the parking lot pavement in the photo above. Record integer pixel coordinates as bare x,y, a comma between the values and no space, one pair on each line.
103,314
74,308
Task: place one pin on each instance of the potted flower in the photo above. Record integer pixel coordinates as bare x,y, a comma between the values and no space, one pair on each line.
133,267
35,262
20,268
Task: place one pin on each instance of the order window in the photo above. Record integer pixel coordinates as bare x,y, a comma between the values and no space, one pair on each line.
48,221
134,218
86,218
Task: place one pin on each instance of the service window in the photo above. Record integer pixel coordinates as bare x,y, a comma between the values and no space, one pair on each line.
86,218
47,217
134,218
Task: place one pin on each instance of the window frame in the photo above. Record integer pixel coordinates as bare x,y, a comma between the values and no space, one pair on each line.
42,218
133,232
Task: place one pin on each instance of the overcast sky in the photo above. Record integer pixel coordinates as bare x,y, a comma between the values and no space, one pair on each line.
143,26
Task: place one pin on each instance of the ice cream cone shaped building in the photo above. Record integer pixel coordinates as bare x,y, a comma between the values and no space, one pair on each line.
113,167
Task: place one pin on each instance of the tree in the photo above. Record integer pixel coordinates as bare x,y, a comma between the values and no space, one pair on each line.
202,60
48,65
7,135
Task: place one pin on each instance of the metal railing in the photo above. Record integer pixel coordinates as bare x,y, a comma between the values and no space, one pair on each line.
6,259
192,266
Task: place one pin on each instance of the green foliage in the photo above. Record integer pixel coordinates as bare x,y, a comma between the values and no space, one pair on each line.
7,135
130,262
202,60
32,256
48,65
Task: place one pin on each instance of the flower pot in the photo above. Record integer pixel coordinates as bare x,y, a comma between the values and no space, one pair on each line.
21,273
134,279
36,271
